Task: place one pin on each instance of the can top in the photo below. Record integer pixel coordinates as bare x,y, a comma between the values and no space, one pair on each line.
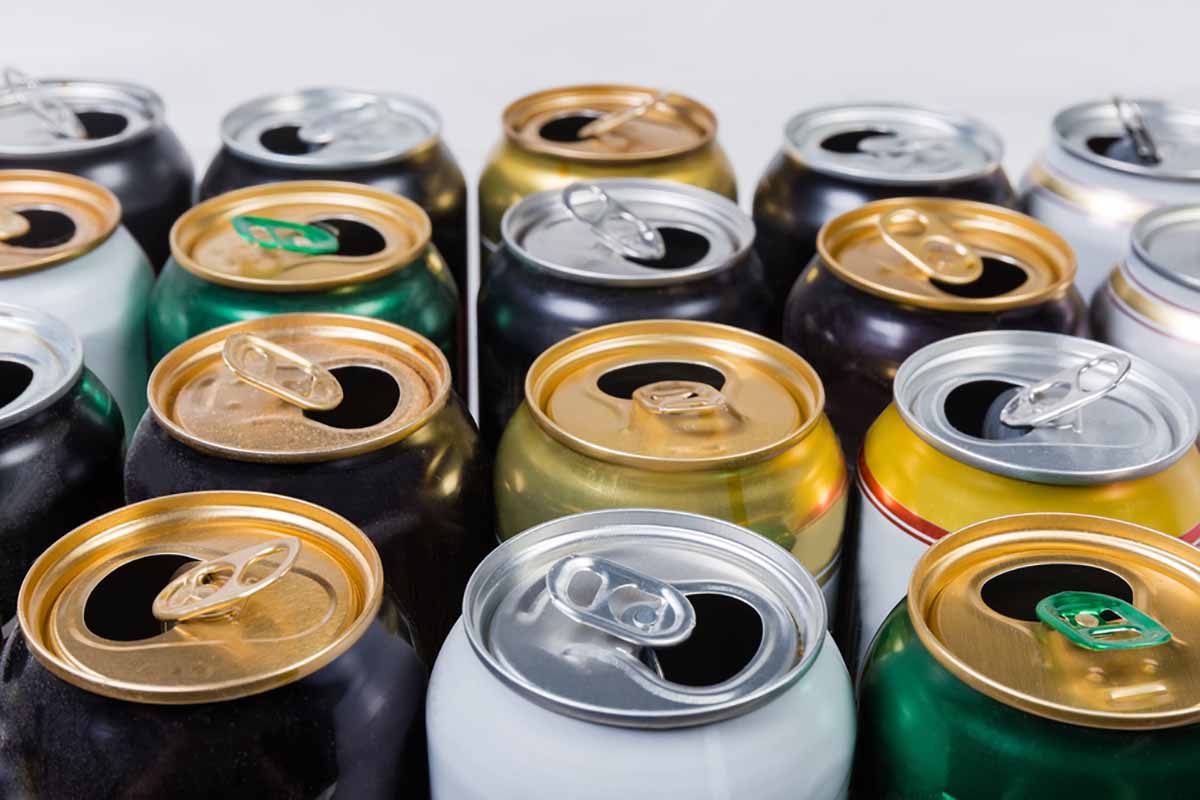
1168,240
1083,620
1142,137
63,116
329,128
628,232
299,387
199,598
41,358
892,143
1045,407
947,255
605,122
299,236
50,217
674,395
644,618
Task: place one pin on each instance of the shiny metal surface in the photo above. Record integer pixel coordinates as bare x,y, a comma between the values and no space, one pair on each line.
1168,241
25,134
48,348
1174,130
93,211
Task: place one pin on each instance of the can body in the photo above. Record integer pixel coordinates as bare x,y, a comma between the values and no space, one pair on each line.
738,757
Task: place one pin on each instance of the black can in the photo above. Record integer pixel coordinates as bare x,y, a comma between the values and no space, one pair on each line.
154,667
836,158
111,133
390,447
614,250
61,442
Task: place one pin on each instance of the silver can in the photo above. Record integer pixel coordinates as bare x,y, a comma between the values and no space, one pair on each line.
640,653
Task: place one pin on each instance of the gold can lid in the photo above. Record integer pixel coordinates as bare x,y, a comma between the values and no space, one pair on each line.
674,395
1084,620
606,122
299,236
201,597
50,217
299,387
948,255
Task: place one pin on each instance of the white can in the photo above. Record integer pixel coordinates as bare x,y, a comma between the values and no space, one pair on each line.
63,251
640,653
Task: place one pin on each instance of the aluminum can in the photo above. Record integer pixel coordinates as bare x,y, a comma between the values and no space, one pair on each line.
64,251
1108,163
61,442
898,274
1037,656
109,132
351,413
215,644
580,133
382,139
837,158
1007,422
640,653
610,251
1151,304
680,415
311,246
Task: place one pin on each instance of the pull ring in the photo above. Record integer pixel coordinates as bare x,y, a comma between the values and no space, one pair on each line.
679,397
282,372
928,243
615,119
325,129
220,586
1046,401
1130,114
1096,621
275,234
53,113
622,231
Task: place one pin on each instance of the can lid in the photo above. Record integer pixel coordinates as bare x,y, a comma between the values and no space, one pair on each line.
50,217
329,128
1084,620
1168,241
644,618
59,116
299,387
1143,137
299,236
674,394
1045,407
41,358
948,255
609,123
628,232
199,598
892,143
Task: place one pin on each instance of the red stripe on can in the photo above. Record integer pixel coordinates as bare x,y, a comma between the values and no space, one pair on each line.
913,524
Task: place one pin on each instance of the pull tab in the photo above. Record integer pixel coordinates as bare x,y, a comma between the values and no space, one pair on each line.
281,372
328,127
12,225
1130,114
615,119
53,113
679,397
620,601
274,234
1091,621
625,233
1045,402
220,586
896,147
930,245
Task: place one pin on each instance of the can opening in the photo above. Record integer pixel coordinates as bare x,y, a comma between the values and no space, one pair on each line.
285,140
15,378
973,409
684,248
999,277
567,128
47,228
727,635
102,124
354,238
1016,593
1118,148
370,396
119,608
850,141
624,381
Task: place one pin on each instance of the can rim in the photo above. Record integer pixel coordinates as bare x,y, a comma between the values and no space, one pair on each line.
149,99
1068,120
58,336
1150,223
107,203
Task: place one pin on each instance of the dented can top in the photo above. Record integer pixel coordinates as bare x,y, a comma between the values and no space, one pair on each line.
1151,138
1045,407
299,387
1168,242
644,618
329,128
39,351
1083,620
200,598
50,217
892,143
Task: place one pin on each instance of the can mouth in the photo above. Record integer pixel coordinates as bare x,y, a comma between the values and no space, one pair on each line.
110,113
15,378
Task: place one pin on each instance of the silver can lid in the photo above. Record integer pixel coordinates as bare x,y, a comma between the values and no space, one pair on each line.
893,143
57,116
1142,137
41,358
628,232
1168,241
644,618
1062,410
329,128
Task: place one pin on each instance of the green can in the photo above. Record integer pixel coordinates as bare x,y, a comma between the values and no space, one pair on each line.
304,246
1038,656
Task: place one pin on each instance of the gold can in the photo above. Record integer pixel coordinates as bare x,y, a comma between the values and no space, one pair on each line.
681,415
